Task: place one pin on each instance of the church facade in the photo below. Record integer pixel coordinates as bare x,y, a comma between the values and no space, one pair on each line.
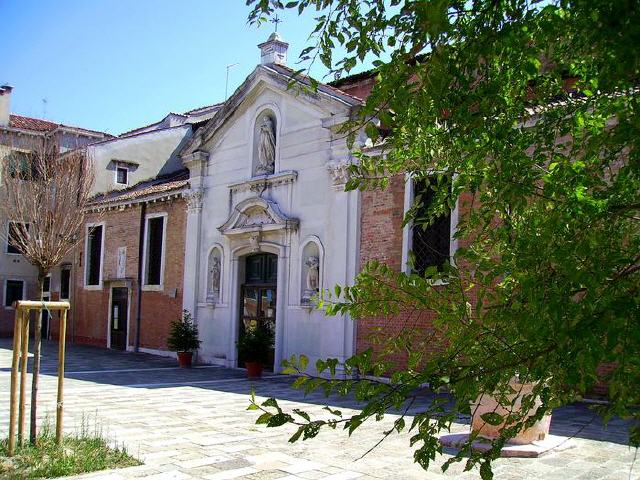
269,224
259,224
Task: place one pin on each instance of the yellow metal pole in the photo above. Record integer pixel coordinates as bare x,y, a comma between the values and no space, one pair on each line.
23,375
17,331
61,354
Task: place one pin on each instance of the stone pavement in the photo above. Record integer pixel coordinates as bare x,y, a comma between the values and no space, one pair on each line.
194,424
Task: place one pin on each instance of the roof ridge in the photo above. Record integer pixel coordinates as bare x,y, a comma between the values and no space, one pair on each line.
307,77
181,175
202,108
40,124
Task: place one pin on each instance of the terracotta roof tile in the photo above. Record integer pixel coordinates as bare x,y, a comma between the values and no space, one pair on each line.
164,184
39,125
28,123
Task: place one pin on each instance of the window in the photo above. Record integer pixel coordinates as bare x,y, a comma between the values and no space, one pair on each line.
14,229
65,283
13,290
122,175
22,165
430,244
154,250
94,255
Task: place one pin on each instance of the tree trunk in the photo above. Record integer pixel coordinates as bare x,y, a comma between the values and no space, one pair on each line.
37,340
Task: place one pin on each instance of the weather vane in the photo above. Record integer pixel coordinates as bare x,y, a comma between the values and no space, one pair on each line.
276,20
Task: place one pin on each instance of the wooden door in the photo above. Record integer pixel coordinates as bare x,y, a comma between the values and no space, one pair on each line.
119,318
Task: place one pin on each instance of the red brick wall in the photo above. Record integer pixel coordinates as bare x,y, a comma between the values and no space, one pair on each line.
158,308
89,322
360,88
381,240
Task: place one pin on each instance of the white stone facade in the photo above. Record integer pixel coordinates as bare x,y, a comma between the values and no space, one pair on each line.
299,211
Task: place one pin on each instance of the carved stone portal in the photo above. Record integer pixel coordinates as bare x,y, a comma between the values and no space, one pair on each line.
266,147
257,214
254,240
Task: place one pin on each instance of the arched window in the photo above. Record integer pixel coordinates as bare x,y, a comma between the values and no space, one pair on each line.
214,275
264,143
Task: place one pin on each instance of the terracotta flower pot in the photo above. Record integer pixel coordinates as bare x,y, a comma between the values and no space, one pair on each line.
487,404
184,359
254,369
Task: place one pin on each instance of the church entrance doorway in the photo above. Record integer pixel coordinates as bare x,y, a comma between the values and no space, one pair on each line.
258,297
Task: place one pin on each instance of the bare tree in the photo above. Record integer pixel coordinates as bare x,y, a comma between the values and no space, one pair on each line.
45,194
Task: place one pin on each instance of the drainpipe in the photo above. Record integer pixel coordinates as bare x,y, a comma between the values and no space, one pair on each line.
143,211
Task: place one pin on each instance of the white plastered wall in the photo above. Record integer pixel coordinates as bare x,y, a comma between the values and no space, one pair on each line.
324,211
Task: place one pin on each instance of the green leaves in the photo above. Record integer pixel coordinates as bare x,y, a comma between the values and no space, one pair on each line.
492,418
531,110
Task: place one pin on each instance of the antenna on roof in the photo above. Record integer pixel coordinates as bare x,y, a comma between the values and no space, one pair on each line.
226,85
44,108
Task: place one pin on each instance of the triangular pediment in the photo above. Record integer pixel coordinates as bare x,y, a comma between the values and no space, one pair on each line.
257,214
276,77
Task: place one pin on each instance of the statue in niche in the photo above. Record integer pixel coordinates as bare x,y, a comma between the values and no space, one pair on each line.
266,147
214,277
312,280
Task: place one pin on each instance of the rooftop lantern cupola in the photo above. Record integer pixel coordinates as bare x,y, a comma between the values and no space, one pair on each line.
274,50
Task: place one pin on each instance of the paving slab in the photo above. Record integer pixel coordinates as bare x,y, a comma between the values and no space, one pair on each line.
193,423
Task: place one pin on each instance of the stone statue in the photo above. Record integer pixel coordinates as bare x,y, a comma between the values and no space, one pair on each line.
312,280
214,275
313,273
266,147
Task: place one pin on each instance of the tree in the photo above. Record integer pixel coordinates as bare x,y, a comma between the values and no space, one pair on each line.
45,193
526,112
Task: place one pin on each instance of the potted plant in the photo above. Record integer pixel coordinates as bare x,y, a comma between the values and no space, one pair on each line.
254,347
183,339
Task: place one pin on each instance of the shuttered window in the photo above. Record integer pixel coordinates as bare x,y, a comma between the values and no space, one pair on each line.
431,244
155,238
94,255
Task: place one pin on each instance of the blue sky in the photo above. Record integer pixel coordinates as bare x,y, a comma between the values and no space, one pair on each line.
114,65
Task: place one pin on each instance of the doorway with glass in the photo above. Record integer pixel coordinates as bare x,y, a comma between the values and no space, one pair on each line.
258,298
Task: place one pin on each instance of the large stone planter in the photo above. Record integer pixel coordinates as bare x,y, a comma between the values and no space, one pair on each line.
487,403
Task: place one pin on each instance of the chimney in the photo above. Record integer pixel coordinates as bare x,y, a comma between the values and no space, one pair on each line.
274,50
5,104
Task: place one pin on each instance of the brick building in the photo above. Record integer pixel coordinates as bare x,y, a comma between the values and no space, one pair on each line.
128,273
192,216
20,136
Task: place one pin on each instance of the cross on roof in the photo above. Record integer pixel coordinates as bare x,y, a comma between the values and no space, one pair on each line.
276,20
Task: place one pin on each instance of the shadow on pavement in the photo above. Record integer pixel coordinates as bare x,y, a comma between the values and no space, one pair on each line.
139,370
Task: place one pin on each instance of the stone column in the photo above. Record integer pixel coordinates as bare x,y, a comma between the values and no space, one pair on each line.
196,163
346,218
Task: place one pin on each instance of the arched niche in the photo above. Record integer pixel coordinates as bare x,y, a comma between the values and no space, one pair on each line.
311,269
214,274
265,142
